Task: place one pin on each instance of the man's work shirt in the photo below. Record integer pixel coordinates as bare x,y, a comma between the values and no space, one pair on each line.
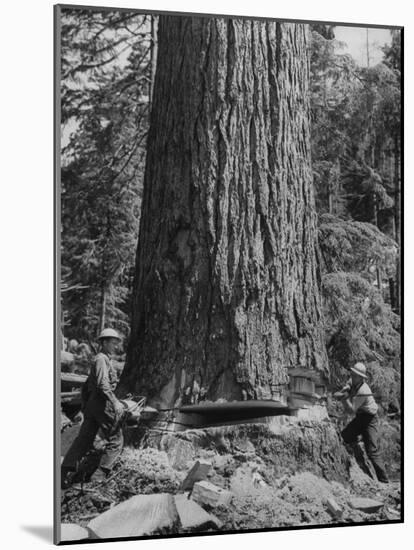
102,379
361,398
99,397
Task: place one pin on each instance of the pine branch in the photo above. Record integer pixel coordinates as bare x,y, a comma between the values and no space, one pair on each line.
82,67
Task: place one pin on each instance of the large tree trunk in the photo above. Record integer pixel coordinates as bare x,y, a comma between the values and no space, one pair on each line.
226,292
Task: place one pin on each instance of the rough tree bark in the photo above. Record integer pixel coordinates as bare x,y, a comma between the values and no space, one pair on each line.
226,289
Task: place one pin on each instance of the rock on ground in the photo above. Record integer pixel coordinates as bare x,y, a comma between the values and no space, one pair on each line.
193,517
71,531
138,516
367,505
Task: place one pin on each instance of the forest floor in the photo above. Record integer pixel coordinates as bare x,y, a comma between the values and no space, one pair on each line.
262,498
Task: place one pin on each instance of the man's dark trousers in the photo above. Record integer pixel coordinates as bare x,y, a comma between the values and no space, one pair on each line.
98,414
84,442
366,424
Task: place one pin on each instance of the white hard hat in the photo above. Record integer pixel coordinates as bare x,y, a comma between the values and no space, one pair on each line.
360,369
109,333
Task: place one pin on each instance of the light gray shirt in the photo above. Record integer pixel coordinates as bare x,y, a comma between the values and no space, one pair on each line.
361,398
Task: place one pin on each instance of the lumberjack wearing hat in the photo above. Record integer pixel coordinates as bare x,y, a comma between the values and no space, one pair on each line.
358,398
102,410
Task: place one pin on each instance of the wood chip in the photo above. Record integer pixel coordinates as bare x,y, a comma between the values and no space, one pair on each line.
192,516
367,505
205,492
334,508
198,472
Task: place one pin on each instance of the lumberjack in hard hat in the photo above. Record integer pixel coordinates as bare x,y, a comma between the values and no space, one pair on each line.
102,410
358,398
109,333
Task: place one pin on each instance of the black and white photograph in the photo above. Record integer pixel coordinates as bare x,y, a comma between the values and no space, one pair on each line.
228,218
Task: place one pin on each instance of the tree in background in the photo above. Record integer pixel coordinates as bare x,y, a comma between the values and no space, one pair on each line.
392,59
355,115
106,74
332,85
226,292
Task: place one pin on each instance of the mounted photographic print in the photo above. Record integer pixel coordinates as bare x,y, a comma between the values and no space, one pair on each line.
228,258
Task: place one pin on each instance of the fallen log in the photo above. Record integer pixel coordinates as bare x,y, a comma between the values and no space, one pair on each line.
73,378
66,358
70,381
73,397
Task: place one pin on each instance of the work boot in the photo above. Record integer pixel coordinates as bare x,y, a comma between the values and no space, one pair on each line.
381,474
66,478
99,475
383,479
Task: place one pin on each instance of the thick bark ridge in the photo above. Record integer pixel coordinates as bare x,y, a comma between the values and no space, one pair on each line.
226,291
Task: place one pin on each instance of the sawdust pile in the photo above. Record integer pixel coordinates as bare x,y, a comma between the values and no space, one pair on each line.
145,471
